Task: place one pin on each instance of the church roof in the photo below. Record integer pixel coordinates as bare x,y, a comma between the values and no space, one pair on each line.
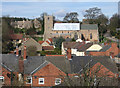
66,26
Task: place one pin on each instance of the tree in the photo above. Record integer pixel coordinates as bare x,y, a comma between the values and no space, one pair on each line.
114,23
89,76
7,45
58,42
31,51
71,17
92,13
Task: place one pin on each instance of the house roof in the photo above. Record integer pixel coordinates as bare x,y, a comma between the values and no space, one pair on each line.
89,26
60,62
10,62
34,63
50,39
84,47
80,46
69,44
40,42
66,26
77,63
105,48
16,36
47,47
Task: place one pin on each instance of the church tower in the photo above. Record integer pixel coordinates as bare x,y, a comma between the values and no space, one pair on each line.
48,26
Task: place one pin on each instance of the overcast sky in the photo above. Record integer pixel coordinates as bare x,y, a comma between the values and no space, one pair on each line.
59,9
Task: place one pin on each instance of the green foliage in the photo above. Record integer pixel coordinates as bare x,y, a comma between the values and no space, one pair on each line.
56,51
114,23
73,40
58,42
71,17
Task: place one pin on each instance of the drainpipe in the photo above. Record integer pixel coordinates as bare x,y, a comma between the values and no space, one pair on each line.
11,78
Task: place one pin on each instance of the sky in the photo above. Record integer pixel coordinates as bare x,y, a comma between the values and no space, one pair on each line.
58,9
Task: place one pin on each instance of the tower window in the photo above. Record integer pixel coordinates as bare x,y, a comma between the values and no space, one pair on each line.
91,36
48,18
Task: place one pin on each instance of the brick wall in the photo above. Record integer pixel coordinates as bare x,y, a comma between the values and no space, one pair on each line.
114,49
102,71
49,73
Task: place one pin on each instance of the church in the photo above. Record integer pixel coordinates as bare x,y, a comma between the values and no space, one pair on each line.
70,30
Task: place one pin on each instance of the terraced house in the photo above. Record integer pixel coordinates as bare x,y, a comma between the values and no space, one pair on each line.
52,70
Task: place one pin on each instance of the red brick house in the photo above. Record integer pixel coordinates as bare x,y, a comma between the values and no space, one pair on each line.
106,50
51,70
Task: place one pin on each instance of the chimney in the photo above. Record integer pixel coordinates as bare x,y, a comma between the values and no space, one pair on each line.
21,65
24,53
69,54
17,51
112,55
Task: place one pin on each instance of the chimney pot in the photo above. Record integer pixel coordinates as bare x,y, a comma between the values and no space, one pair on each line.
17,51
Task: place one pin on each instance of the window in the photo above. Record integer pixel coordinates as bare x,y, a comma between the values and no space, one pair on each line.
41,80
48,18
29,80
1,79
91,36
57,81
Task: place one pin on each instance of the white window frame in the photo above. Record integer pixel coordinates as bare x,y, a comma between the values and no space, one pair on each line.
2,77
29,78
40,79
56,81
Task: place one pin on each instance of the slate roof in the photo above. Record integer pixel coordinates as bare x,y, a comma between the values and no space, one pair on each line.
61,62
105,48
10,62
80,46
77,63
69,44
84,47
89,26
34,63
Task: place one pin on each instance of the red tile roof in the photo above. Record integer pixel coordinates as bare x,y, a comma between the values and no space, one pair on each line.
48,48
16,36
50,40
40,42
